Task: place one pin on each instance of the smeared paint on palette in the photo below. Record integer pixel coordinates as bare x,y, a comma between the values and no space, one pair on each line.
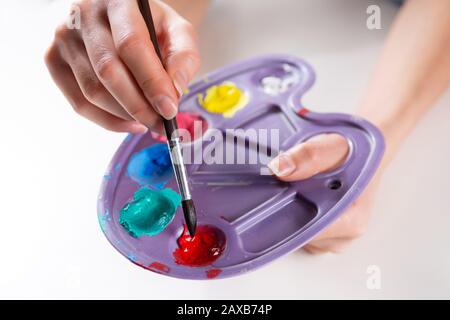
158,267
150,212
201,250
280,80
225,99
213,273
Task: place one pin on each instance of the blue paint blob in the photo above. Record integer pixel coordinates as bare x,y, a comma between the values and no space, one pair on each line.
151,166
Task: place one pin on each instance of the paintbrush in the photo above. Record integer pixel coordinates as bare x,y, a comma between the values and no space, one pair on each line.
173,139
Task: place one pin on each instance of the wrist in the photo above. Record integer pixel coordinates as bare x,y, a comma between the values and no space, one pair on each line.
394,127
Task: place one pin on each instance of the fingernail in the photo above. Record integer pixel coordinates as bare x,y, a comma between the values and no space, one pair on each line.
282,165
180,82
138,128
164,106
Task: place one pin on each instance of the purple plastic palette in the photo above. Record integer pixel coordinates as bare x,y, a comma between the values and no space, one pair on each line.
255,217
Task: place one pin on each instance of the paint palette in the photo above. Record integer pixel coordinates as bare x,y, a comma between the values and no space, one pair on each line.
253,216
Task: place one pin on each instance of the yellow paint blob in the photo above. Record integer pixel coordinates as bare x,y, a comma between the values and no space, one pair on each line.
225,99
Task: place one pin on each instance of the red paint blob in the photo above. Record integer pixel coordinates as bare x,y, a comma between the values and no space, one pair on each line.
189,122
158,267
211,274
203,249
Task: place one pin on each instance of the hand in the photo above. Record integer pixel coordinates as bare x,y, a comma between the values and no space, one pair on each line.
319,154
109,71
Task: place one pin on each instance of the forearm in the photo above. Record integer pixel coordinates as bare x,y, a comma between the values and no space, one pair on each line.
191,10
412,72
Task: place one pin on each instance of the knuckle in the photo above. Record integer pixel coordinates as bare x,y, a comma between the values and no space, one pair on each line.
49,55
128,43
80,107
93,90
190,54
136,112
83,4
184,24
87,11
340,141
62,33
187,27
190,30
194,56
154,79
311,153
143,114
311,249
114,4
105,68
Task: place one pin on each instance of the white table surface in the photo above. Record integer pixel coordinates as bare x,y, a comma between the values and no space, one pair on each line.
52,163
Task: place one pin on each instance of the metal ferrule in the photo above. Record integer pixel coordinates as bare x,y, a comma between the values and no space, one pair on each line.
179,168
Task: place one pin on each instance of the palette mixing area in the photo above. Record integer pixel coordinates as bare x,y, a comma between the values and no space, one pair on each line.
238,118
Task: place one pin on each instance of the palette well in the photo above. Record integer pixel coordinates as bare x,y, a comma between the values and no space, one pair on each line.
246,218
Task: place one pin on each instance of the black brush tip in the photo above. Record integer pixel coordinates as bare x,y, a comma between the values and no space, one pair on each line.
190,216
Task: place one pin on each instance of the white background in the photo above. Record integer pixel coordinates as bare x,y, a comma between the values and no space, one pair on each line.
52,163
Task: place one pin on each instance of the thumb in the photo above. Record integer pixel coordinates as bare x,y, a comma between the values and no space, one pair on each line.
181,67
180,50
318,154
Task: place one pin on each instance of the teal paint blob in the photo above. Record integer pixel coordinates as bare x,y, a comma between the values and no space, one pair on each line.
150,211
151,166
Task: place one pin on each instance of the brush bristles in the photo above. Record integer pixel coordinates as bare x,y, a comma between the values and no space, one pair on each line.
190,216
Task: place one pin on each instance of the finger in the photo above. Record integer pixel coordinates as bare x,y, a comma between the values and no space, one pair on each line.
334,245
132,42
65,80
180,50
74,53
353,223
318,154
313,250
111,71
344,226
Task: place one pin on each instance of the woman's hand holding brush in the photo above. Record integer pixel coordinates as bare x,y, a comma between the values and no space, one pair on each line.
109,71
